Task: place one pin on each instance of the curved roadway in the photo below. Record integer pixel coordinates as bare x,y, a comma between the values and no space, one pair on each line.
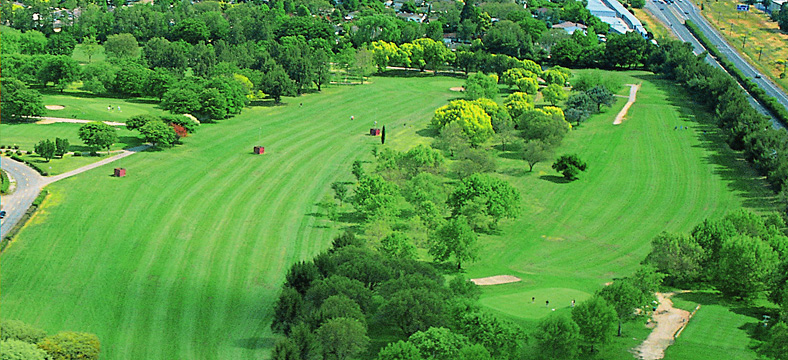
28,184
675,14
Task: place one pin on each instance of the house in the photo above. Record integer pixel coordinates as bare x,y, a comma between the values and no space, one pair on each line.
570,27
774,5
419,18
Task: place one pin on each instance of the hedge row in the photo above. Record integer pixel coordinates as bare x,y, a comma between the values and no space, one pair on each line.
31,164
770,102
25,217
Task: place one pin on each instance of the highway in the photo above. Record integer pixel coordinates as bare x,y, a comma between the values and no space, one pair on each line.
675,14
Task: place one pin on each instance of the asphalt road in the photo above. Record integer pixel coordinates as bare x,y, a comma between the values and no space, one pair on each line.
28,184
675,14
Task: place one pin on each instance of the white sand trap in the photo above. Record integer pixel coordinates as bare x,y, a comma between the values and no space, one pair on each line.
496,280
54,107
457,88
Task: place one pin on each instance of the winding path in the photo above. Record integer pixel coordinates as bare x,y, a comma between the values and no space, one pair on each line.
633,90
29,184
669,321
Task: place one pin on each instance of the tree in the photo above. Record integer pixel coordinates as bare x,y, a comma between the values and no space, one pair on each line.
61,43
13,349
60,70
600,95
554,94
504,340
511,76
536,151
744,268
500,199
454,239
506,37
301,275
340,191
399,350
158,133
287,310
276,83
18,101
122,46
339,306
285,349
383,136
398,245
473,120
776,344
342,338
782,17
625,297
357,170
72,345
33,42
90,47
595,318
46,149
517,103
61,147
98,134
191,30
439,343
679,257
480,85
570,166
528,85
545,124
138,121
579,107
364,64
557,337
435,53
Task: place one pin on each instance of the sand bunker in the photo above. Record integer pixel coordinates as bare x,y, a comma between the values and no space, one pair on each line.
457,88
54,107
496,280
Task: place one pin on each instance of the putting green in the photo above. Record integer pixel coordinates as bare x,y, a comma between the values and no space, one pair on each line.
521,305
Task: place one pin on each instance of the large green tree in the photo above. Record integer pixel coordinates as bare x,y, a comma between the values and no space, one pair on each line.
595,318
122,46
342,338
455,239
557,338
745,266
570,166
18,101
98,135
60,71
46,149
158,133
472,118
500,199
479,85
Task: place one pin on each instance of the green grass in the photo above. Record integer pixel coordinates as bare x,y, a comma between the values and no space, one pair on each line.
82,105
5,182
719,330
183,257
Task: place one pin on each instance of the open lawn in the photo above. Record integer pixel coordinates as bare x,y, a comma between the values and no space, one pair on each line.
754,34
83,105
183,257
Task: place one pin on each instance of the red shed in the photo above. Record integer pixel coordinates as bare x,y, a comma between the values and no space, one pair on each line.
374,132
120,172
259,150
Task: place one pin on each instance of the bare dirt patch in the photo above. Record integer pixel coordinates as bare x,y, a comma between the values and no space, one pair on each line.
54,107
457,88
496,280
669,321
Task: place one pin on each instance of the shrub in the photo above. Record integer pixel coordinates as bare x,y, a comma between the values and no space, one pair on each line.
77,153
19,152
93,153
16,147
18,330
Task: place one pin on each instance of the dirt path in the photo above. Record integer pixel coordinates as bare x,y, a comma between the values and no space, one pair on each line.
669,321
633,90
52,120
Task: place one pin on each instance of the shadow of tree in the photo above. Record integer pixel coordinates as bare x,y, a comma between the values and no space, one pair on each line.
555,179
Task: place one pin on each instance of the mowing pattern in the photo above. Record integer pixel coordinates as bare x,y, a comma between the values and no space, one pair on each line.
182,259
644,177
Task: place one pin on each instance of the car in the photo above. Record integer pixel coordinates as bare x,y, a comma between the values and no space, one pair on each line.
757,76
2,214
